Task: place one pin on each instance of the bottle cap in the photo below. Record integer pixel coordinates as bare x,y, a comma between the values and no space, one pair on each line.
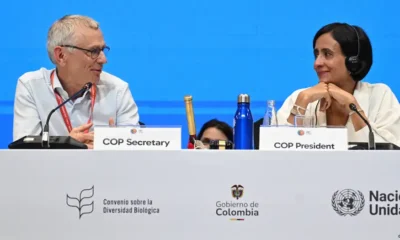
188,98
243,98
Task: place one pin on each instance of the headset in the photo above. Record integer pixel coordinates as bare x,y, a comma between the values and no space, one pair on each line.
353,65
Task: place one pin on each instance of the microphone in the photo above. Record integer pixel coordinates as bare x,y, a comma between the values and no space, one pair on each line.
371,138
45,133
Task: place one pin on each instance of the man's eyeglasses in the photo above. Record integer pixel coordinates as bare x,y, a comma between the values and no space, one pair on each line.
94,52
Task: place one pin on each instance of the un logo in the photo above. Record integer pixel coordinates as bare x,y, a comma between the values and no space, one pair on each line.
348,202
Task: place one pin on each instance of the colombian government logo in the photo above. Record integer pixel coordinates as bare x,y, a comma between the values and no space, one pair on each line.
237,209
348,202
83,203
237,191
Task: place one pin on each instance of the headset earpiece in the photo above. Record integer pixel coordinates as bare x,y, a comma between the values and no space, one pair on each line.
353,64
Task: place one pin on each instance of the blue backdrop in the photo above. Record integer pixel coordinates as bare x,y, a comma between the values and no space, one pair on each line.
212,50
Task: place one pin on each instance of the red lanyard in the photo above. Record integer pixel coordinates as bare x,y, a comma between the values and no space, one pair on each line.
64,112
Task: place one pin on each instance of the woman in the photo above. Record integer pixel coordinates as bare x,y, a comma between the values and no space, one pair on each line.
215,130
343,57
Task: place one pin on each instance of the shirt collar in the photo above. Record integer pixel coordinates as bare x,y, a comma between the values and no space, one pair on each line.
59,88
56,81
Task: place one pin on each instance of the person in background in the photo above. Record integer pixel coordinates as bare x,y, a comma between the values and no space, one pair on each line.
343,57
76,47
215,130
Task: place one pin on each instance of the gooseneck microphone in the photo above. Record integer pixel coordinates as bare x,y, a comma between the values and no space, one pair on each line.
45,133
371,138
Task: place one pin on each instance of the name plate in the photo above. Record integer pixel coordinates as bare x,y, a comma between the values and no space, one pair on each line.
303,139
137,138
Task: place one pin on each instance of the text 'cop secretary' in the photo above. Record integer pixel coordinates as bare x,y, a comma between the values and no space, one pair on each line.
132,142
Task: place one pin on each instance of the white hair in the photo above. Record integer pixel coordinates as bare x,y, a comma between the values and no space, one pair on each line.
62,32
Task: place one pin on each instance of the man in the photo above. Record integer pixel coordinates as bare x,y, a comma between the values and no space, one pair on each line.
76,46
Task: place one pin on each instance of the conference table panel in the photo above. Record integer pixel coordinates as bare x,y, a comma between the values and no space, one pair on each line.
197,194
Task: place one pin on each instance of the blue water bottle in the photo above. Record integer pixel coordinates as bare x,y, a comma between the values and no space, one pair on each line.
243,124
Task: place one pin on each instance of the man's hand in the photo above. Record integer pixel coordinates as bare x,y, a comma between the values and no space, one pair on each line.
79,134
111,122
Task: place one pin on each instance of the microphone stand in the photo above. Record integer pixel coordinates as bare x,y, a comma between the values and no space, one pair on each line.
45,133
371,138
